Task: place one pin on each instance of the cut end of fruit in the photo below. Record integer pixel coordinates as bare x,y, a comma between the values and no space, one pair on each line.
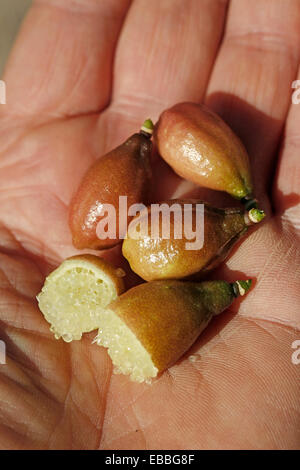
128,355
254,216
147,127
75,294
240,288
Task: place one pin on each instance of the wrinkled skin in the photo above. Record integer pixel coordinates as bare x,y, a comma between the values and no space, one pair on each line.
243,390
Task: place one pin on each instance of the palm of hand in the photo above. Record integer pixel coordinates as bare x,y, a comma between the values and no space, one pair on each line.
242,390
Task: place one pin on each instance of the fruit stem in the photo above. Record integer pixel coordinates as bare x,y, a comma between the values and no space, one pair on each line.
240,288
147,128
254,216
249,202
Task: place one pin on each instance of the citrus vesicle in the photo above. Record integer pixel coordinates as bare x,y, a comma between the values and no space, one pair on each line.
74,295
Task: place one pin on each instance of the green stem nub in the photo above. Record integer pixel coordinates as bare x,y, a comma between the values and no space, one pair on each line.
254,216
241,288
147,128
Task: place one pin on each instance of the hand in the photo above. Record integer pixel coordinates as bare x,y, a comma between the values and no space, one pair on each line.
82,77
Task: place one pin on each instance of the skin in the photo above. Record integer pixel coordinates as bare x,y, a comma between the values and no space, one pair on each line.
242,392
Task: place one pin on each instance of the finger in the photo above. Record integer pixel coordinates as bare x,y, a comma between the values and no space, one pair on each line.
250,84
62,61
287,186
165,54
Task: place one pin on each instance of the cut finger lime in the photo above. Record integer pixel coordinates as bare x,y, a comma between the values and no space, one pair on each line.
74,295
147,329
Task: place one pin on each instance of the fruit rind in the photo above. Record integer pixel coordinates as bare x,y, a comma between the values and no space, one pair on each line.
151,326
155,258
124,171
202,148
167,316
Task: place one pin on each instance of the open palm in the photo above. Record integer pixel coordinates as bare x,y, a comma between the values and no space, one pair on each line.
82,77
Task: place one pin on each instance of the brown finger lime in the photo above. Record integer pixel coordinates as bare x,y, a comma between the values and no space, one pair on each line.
156,253
202,148
125,171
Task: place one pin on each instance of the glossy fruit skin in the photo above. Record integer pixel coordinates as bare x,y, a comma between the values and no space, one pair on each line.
159,258
168,316
125,171
202,148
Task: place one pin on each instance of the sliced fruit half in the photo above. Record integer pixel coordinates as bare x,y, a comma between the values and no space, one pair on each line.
74,295
149,327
